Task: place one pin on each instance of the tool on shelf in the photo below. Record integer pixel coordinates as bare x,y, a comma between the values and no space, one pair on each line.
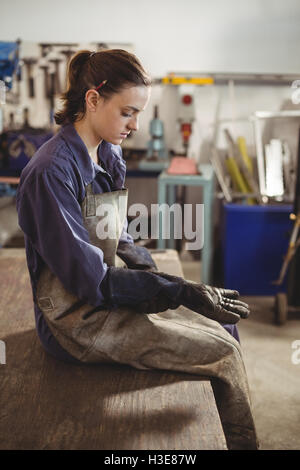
57,86
29,62
243,179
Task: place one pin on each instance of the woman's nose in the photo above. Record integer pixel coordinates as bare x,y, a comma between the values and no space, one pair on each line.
134,125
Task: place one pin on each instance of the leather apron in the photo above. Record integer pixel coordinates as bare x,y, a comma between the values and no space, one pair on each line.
178,340
74,323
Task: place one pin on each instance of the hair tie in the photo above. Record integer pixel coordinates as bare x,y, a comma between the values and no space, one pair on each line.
101,84
92,53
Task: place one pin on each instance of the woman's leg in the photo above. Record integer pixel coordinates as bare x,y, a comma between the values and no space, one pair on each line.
181,340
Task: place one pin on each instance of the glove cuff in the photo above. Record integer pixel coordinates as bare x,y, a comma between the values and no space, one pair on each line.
135,256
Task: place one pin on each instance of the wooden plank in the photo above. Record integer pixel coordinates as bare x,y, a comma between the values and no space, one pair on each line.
10,232
46,404
167,261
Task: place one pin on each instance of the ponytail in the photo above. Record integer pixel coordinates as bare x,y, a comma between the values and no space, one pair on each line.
114,68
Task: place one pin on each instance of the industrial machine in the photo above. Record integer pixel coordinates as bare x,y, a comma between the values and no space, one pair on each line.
186,116
156,146
157,156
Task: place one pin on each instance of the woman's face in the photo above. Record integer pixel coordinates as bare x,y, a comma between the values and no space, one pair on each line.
113,119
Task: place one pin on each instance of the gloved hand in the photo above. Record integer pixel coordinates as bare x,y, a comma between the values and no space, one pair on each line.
135,256
212,302
153,292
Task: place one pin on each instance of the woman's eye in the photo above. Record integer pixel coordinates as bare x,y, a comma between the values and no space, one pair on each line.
126,115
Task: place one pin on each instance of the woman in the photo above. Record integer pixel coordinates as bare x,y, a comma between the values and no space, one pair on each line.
87,307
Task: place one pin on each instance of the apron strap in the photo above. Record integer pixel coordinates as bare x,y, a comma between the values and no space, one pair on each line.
90,202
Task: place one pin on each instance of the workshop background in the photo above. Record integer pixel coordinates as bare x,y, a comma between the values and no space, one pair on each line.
223,119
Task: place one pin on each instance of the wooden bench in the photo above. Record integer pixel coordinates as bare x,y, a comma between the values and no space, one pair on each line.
46,404
10,232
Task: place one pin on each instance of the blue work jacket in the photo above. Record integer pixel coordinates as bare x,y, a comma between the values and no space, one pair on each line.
49,197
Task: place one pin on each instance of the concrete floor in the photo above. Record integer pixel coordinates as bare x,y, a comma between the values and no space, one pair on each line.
274,379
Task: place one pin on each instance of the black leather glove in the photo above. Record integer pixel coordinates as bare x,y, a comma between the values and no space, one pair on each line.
216,303
143,291
135,256
153,292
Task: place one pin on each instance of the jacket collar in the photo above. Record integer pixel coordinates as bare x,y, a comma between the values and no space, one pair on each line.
87,166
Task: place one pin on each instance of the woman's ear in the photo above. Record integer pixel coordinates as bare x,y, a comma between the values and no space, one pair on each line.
91,99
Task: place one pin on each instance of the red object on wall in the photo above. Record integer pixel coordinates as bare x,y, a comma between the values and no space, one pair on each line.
186,130
187,99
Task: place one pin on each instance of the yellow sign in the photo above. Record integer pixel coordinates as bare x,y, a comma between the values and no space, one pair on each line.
188,81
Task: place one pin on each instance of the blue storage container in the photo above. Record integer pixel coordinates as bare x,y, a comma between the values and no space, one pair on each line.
255,241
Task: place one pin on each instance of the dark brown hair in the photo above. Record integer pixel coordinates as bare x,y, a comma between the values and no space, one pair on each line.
88,70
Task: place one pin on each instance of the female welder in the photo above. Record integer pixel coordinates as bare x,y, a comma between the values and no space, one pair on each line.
88,308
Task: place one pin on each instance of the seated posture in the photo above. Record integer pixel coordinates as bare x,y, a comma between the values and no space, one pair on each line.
89,308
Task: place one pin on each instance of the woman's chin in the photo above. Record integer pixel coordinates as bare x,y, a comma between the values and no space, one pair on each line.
115,141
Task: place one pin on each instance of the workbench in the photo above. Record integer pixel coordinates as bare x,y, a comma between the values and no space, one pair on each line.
10,232
47,404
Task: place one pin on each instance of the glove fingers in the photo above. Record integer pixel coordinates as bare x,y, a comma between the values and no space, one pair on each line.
230,294
221,315
214,312
225,316
237,306
235,302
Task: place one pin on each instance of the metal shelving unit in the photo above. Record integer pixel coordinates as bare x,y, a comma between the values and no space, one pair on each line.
220,78
257,118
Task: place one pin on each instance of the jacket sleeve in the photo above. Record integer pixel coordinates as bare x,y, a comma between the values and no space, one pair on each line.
50,215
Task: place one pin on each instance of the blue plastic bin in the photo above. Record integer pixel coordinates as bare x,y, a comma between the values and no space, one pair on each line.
255,241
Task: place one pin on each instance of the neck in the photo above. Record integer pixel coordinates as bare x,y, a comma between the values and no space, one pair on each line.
88,137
